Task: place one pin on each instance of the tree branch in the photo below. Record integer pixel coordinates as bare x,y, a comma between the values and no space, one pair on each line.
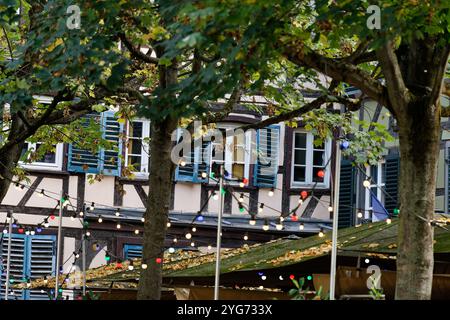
337,69
228,107
398,92
136,53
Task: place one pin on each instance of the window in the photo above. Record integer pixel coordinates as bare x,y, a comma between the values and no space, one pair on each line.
308,160
50,160
233,152
377,174
137,146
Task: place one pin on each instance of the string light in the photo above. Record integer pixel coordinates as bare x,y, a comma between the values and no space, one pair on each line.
321,174
359,215
241,198
192,244
300,201
81,213
32,232
188,235
168,224
261,208
118,226
77,255
241,207
171,250
100,219
215,196
209,247
175,240
366,183
388,221
107,257
279,226
41,194
136,231
367,261
294,217
131,266
46,223
204,175
144,266
92,207
266,225
301,226
263,277
252,220
27,232
304,194
182,162
158,260
330,208
271,192
142,219
200,217
245,237
321,234
118,212
281,278
73,217
88,233
194,229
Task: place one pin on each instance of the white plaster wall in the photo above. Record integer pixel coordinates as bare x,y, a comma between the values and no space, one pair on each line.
274,201
69,249
235,204
52,187
13,196
321,210
187,197
99,259
131,198
100,192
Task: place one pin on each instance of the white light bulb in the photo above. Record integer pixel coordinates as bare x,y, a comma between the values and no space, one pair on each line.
360,215
215,196
118,226
88,234
209,247
46,224
5,231
32,232
171,250
252,222
144,266
265,227
330,209
366,183
188,235
301,226
100,220
136,231
367,261
245,237
263,277
117,213
279,226
388,221
241,184
321,234
281,278
72,218
300,201
194,229
192,244
142,219
271,193
182,163
175,240
130,267
81,213
204,175
169,224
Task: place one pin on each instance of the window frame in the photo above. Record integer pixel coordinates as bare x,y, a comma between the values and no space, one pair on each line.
380,195
309,162
145,148
57,166
229,155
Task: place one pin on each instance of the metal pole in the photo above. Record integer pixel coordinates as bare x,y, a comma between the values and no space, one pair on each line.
8,265
337,178
219,236
84,263
58,246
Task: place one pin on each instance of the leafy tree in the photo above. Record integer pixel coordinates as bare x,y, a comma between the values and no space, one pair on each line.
399,63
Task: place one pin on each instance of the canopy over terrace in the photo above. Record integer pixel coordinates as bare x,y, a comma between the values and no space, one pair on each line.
245,266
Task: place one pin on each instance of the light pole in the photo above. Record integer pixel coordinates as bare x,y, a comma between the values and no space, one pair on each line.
8,259
83,247
337,178
58,246
219,235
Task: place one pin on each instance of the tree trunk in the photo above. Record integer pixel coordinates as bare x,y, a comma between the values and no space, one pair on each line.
157,211
9,157
419,150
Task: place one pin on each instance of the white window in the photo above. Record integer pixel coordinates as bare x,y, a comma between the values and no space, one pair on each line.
308,159
51,160
378,178
233,151
137,151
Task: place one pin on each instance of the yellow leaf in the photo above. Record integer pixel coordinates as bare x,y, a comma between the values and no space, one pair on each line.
57,42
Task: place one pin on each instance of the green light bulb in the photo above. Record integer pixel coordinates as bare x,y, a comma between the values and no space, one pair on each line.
309,277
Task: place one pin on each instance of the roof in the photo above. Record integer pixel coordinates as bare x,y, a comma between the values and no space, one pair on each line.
373,239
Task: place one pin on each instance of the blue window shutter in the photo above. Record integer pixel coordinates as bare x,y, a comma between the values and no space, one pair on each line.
18,265
81,160
267,148
110,160
447,187
202,159
131,251
346,195
188,171
42,261
392,168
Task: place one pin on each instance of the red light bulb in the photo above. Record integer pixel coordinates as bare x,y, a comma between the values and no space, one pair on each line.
245,181
292,277
294,217
20,230
321,173
52,217
304,194
158,260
